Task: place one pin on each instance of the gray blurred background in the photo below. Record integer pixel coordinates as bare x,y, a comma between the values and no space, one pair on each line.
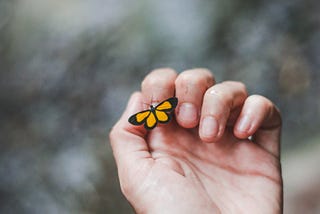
68,67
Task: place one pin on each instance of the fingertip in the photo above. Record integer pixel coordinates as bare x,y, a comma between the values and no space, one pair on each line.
240,134
243,127
209,130
187,115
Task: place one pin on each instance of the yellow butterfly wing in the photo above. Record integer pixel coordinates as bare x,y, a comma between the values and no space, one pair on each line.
167,105
159,113
163,110
162,116
139,118
151,121
146,117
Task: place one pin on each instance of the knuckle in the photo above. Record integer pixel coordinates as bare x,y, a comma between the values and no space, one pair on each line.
199,76
268,104
239,85
261,100
242,87
272,112
185,79
225,99
158,78
147,82
161,75
204,72
161,70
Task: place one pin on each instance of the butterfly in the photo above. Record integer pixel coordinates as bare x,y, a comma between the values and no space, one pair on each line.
160,113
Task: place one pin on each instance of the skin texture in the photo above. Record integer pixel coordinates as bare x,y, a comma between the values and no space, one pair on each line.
219,154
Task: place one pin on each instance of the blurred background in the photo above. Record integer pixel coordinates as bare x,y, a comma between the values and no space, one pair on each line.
68,67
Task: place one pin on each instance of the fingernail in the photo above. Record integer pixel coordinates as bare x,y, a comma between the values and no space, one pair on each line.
209,127
244,124
188,112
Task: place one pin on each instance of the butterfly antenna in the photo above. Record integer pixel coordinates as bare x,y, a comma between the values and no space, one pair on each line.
151,103
147,105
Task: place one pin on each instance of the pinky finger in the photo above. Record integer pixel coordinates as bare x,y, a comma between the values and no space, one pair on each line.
260,119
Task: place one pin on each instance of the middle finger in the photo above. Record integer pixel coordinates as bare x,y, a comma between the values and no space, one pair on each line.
218,102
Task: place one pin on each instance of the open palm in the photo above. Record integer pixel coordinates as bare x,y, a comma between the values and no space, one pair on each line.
183,168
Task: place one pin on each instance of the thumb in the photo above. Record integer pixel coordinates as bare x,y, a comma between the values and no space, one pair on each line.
127,141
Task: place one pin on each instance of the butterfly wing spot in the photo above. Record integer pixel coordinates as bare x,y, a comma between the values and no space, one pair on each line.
151,121
168,104
162,116
142,115
139,118
164,106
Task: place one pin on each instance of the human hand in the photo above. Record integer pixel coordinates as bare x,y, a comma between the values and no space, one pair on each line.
220,153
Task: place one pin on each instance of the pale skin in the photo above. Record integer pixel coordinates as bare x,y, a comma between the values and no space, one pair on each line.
219,154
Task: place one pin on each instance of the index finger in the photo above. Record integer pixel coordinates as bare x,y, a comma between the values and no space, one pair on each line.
158,85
